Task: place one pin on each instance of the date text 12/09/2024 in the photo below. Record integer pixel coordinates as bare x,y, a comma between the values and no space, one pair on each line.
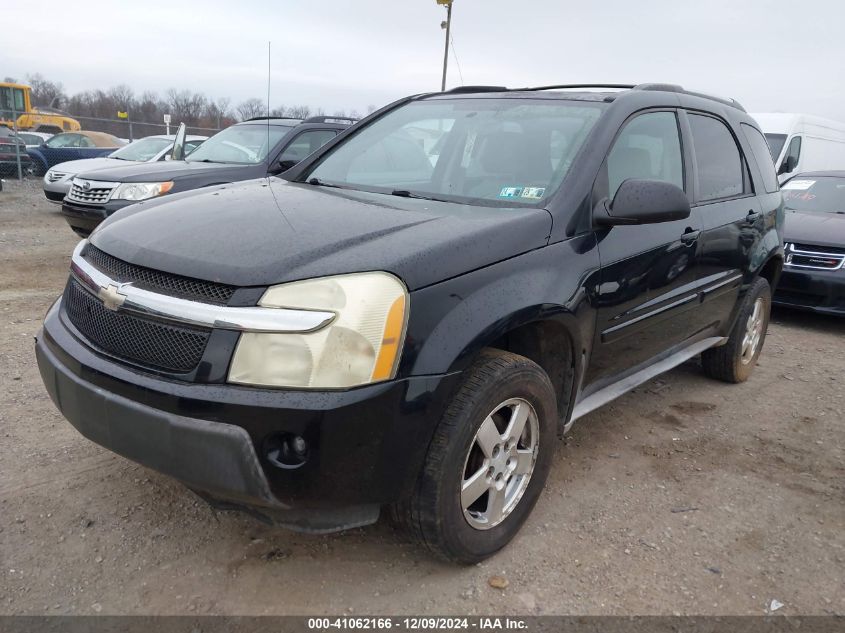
417,623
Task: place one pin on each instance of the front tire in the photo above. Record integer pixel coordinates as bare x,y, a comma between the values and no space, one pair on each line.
734,361
488,460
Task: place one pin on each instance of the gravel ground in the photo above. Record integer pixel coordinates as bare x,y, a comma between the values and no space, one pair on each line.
686,496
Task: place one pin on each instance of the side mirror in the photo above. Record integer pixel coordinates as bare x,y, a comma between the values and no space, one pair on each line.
788,165
644,202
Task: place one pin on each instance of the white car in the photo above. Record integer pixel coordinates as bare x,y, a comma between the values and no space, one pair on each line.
57,180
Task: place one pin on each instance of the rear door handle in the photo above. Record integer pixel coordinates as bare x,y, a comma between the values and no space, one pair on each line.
690,236
752,216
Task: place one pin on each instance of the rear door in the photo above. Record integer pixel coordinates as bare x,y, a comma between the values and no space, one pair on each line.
730,214
648,292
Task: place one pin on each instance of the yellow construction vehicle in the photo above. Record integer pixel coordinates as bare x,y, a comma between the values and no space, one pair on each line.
15,101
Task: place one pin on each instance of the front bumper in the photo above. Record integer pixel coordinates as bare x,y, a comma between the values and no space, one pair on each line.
367,445
84,218
56,191
817,290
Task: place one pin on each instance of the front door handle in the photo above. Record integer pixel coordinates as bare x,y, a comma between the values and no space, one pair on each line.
690,236
752,216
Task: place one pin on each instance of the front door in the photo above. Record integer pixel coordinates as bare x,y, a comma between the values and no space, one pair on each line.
649,274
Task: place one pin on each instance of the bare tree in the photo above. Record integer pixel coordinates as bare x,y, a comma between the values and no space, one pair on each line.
299,112
251,108
44,92
185,105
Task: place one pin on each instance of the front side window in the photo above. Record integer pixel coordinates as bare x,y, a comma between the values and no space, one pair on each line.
306,143
718,160
240,144
64,140
648,148
492,152
793,153
143,149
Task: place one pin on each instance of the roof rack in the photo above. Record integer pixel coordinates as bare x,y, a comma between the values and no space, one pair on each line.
645,86
461,89
268,118
571,86
329,119
680,89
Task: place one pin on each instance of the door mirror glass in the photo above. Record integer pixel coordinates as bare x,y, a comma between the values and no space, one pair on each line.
644,202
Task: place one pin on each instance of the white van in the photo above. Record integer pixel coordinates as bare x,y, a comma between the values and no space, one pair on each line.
802,142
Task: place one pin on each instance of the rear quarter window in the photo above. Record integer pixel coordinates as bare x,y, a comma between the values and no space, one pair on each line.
762,155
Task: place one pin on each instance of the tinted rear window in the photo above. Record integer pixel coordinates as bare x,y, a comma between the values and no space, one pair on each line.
718,159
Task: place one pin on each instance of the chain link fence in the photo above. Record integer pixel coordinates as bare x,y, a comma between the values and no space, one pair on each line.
22,154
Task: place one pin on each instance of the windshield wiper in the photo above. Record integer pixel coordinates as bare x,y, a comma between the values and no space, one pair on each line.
319,183
404,193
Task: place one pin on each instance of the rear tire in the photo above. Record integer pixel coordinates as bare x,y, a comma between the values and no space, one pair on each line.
488,460
734,361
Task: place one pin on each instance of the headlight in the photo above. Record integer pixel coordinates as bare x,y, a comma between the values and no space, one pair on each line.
361,345
141,190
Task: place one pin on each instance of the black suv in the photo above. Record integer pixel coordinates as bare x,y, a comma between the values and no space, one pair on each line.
410,317
254,148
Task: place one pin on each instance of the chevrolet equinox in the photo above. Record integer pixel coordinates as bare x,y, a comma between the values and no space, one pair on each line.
407,318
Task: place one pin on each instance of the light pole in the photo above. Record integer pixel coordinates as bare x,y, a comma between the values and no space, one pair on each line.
447,25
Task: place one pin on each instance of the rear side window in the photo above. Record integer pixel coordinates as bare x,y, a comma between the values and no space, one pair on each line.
760,149
718,159
647,148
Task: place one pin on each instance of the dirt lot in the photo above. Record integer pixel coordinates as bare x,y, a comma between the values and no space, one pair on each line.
686,496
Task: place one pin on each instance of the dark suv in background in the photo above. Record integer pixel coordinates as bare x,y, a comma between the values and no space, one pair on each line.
410,317
254,148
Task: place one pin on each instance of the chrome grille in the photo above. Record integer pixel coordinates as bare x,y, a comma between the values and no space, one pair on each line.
90,191
53,176
177,348
814,257
166,283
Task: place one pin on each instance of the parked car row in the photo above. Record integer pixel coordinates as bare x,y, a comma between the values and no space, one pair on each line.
250,149
58,179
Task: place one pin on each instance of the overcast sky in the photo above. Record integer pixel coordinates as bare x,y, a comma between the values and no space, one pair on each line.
771,55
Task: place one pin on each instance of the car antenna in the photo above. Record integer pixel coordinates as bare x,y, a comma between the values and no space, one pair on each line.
268,106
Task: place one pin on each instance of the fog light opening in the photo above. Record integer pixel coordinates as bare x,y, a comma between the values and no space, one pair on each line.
286,450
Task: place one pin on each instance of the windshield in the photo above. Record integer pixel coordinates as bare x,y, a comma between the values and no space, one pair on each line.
142,150
825,194
776,142
495,152
241,144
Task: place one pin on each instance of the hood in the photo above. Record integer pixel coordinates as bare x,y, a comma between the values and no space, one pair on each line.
269,231
174,170
88,165
819,229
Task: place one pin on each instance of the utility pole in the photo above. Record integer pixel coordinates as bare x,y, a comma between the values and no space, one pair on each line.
447,25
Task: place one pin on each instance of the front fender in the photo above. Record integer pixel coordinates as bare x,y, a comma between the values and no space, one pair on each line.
452,320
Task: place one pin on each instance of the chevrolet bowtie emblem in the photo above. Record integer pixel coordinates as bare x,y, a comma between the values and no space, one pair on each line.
111,297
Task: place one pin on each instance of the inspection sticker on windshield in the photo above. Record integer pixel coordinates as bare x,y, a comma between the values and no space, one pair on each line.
801,185
533,193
